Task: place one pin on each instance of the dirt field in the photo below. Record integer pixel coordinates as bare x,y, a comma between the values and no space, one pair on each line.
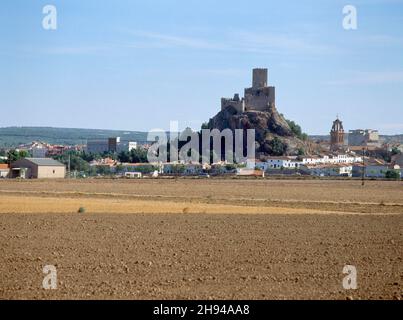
182,239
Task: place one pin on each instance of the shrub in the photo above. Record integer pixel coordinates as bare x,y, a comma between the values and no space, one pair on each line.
392,174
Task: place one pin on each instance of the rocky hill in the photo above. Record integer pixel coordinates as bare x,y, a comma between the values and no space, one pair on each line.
274,136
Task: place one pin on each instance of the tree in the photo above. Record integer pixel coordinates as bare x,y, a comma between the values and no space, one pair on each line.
395,151
178,169
301,151
392,174
103,170
296,129
277,148
89,156
138,155
124,156
230,167
14,155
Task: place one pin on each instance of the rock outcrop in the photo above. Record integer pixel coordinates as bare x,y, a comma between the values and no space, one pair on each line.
272,132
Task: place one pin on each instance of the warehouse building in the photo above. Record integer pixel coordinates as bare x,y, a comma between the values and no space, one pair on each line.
37,168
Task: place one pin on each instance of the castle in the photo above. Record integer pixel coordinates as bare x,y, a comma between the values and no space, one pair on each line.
260,97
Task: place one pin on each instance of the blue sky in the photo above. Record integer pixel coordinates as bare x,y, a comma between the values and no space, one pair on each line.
136,65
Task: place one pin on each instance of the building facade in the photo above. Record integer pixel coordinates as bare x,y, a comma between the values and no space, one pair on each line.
37,168
367,137
113,144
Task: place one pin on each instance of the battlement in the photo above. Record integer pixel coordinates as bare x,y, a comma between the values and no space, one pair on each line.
259,97
260,78
236,103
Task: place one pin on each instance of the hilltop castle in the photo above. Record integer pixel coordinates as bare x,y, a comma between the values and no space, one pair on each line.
260,97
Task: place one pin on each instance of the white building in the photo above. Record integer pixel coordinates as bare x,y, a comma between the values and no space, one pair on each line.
329,170
331,159
275,163
109,145
283,162
126,146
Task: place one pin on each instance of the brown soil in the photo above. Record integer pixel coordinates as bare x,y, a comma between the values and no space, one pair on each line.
127,245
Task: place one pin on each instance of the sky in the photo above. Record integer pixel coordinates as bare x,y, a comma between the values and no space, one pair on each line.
137,65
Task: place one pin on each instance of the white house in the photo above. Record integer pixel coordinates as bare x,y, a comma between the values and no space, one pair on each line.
329,170
282,162
331,159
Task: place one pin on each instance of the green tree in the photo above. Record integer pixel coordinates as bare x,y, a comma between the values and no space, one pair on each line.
76,162
296,129
14,155
138,155
395,151
178,168
392,174
277,148
124,156
230,167
103,170
301,151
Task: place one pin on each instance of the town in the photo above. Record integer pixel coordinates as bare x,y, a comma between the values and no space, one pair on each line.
364,155
358,154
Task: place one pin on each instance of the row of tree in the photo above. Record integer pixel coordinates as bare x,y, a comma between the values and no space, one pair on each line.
13,155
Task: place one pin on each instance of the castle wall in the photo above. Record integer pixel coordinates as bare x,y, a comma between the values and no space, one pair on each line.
259,78
259,98
238,105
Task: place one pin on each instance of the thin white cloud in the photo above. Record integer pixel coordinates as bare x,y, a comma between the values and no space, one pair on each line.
166,40
234,41
240,41
268,42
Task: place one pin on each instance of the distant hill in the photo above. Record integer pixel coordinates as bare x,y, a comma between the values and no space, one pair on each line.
14,136
394,138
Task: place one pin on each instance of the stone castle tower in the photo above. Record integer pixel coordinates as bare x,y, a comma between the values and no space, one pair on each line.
336,135
259,97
